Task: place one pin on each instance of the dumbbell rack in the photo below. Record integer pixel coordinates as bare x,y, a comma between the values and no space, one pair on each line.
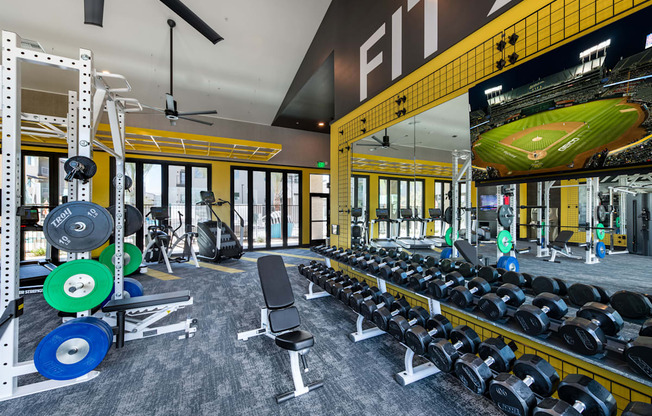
612,373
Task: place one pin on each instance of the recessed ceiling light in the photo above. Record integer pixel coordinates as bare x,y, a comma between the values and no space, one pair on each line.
321,124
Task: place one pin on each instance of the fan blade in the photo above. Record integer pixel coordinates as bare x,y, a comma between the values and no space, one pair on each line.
193,20
169,102
198,113
93,12
377,139
196,121
367,144
153,108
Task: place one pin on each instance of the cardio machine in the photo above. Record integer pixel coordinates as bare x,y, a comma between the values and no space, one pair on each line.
407,216
217,241
33,272
382,215
358,229
163,239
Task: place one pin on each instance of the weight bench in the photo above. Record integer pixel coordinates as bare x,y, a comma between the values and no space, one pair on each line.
135,316
470,253
280,320
560,246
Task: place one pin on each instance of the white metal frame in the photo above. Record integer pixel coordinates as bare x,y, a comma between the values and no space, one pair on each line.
461,174
315,295
413,374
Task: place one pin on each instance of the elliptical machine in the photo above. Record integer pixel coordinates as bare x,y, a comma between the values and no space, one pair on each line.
163,239
216,240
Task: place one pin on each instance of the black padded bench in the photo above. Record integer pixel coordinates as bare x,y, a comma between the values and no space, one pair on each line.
121,306
283,319
469,252
560,246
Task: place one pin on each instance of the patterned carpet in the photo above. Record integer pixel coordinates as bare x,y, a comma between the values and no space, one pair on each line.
215,374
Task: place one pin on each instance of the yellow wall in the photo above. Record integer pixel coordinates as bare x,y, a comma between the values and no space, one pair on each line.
220,180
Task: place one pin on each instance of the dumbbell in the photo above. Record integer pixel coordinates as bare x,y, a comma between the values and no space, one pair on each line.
522,280
587,332
374,267
337,288
368,307
544,284
378,258
329,251
327,283
322,276
346,293
578,395
399,324
401,276
515,394
339,252
637,409
382,315
580,294
491,274
467,270
418,337
475,371
462,296
450,265
631,305
419,281
356,299
439,288
354,258
646,328
638,354
303,268
412,258
444,354
342,255
494,305
386,271
430,261
535,318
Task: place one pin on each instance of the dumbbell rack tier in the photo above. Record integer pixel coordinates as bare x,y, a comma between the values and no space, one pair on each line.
612,373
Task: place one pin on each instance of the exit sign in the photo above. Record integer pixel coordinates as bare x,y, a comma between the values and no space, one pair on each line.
321,164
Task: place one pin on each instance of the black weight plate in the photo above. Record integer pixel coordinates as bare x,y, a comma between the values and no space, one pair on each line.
133,219
581,294
88,167
604,297
601,213
78,226
505,216
128,182
631,304
448,215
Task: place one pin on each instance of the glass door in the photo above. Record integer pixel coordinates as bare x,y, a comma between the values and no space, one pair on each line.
319,208
241,204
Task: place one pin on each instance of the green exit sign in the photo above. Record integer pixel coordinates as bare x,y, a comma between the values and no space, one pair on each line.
321,164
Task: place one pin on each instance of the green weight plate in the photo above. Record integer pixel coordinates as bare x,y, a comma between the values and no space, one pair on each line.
543,228
78,226
617,221
78,285
599,232
133,258
448,235
504,241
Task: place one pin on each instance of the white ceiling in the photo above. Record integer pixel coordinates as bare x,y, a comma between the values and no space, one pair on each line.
431,131
245,77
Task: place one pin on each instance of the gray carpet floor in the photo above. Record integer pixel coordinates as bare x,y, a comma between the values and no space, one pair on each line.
215,374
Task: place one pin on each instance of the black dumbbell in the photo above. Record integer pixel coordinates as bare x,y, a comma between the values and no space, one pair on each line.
354,258
646,328
580,294
430,261
578,395
338,288
356,299
638,354
341,252
419,337
462,296
515,394
386,271
376,261
450,264
491,274
382,315
439,288
632,305
368,307
521,280
413,258
467,270
327,284
637,409
494,305
375,266
544,284
303,268
587,332
346,293
475,371
419,281
535,318
444,354
322,276
329,251
399,324
401,276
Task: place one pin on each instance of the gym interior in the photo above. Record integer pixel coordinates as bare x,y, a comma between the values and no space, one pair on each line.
326,207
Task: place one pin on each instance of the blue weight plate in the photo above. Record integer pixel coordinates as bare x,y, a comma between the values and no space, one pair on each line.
72,349
131,286
510,263
446,253
500,262
105,326
600,250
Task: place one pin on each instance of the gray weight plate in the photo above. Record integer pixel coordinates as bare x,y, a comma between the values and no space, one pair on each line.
133,219
505,216
78,226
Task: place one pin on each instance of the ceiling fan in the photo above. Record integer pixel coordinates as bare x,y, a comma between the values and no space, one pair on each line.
170,111
382,144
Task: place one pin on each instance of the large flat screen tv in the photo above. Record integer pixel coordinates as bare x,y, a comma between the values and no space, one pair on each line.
488,202
582,110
